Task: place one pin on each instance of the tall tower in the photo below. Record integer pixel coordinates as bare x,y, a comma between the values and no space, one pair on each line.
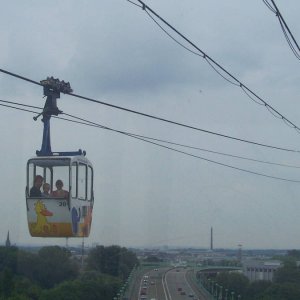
239,254
7,243
211,239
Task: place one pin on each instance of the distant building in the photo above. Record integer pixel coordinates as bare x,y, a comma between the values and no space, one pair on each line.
260,270
7,243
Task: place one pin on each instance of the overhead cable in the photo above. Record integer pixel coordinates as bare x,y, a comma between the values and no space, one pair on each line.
162,119
285,28
182,124
183,145
232,79
190,154
265,1
217,152
93,124
161,140
134,3
20,77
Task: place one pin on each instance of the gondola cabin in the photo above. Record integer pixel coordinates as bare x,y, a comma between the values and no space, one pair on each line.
59,188
66,209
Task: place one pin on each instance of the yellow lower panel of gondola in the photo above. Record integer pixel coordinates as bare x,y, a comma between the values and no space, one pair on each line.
56,230
50,229
52,218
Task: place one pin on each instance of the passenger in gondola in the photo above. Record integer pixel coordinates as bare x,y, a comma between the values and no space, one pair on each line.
46,190
60,193
35,191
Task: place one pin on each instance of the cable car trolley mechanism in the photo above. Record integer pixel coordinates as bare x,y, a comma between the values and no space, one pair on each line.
59,191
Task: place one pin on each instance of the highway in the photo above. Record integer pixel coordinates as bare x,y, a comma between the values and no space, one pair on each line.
168,284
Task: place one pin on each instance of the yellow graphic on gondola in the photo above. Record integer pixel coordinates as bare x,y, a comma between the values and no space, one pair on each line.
41,226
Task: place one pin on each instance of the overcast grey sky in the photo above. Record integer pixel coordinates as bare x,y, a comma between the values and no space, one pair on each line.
145,195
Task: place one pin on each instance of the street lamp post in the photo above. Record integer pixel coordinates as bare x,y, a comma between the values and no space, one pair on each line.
203,280
216,292
232,295
221,292
226,294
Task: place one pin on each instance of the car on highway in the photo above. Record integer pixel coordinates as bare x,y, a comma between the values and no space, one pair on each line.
143,291
182,293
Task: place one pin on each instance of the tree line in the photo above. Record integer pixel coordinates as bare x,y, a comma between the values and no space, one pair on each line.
285,284
52,273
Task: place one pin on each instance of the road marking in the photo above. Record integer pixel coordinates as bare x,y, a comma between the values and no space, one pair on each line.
164,283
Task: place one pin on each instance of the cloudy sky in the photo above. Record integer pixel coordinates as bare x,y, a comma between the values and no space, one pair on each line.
145,195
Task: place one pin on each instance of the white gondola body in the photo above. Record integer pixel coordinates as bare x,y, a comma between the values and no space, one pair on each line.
61,217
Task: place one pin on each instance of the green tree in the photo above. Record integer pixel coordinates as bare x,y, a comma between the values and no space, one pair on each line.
26,288
287,274
112,260
229,263
153,258
294,253
53,266
283,291
256,289
234,282
7,283
16,297
8,258
28,265
90,286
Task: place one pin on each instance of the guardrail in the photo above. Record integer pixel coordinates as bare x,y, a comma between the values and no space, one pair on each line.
215,290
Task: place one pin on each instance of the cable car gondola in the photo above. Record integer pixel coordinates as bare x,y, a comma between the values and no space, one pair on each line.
67,211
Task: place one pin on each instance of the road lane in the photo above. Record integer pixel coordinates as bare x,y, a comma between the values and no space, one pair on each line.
179,286
168,284
151,285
